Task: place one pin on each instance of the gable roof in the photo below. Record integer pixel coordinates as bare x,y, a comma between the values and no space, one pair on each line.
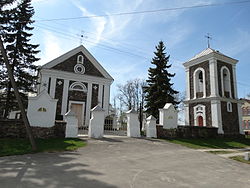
74,51
207,53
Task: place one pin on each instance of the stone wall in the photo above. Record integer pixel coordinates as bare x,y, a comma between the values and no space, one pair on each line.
187,132
16,129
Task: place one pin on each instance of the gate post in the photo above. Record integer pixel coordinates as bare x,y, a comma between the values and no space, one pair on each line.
151,127
96,123
71,125
133,125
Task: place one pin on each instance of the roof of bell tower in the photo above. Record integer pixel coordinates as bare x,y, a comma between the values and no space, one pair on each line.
207,54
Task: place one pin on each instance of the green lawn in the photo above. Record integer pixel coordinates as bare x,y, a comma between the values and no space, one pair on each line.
220,143
240,159
11,146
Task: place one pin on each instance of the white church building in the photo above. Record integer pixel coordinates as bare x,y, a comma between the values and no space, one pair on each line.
78,82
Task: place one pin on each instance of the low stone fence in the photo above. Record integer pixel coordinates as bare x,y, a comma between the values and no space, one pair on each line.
16,129
187,132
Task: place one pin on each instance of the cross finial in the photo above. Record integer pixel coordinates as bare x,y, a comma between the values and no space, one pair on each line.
82,36
208,39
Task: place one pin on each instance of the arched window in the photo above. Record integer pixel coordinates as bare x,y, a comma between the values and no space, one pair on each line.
42,109
199,83
225,82
78,86
229,107
80,59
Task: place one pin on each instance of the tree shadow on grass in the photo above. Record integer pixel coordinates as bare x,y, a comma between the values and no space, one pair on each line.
48,170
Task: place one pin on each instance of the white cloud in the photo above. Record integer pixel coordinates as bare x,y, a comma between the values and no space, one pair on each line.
238,44
51,48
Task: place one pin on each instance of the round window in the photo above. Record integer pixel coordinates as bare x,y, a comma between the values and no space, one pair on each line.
79,68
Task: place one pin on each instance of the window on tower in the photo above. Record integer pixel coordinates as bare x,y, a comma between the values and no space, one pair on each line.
199,83
225,82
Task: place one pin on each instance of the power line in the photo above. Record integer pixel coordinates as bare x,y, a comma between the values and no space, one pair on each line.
109,48
145,11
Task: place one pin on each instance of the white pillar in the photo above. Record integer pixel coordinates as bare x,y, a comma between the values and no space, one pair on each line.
96,124
106,98
65,97
151,127
216,115
213,77
235,82
52,87
100,94
88,103
240,118
71,125
187,84
186,107
133,125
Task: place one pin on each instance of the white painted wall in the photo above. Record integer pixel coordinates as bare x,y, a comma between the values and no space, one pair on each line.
42,118
71,125
168,116
133,124
151,127
96,124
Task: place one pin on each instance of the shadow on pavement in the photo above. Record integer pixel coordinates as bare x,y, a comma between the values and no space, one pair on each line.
47,170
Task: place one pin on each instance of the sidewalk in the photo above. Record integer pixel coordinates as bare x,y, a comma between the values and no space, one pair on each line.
235,152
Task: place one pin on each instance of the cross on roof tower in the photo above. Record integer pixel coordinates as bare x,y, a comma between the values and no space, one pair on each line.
208,39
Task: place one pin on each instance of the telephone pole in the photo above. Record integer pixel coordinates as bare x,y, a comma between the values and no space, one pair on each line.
19,101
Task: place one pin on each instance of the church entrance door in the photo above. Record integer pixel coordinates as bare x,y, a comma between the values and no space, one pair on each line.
78,109
200,121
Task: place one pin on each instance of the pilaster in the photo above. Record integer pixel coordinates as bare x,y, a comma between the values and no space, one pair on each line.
88,104
52,87
216,115
213,77
65,97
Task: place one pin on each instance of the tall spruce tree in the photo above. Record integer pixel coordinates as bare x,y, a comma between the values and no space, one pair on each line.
16,28
159,90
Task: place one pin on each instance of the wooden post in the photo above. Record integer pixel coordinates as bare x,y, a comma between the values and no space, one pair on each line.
20,104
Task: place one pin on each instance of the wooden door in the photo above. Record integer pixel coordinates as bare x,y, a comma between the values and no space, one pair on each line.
77,109
200,121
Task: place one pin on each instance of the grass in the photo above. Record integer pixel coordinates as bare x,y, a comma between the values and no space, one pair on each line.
240,159
221,152
11,146
216,143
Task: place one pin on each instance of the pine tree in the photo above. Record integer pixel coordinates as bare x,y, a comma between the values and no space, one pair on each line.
159,90
16,27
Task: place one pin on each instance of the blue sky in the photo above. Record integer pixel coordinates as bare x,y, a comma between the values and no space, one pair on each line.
124,45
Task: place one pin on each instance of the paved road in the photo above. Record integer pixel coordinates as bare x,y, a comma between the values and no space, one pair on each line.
124,162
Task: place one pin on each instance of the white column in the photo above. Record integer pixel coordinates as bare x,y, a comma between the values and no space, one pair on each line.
216,115
100,94
240,118
96,124
65,97
187,84
133,125
151,127
235,82
213,77
52,87
186,106
106,98
88,103
71,125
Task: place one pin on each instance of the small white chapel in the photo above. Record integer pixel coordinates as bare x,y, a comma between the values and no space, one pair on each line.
78,82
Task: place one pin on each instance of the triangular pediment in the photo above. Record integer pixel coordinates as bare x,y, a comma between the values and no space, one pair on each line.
68,61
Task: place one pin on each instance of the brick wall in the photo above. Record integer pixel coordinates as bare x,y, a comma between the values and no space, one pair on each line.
187,132
16,129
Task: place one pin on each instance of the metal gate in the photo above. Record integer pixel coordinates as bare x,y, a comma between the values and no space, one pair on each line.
114,127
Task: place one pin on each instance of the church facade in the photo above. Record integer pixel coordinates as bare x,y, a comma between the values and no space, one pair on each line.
211,92
78,81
